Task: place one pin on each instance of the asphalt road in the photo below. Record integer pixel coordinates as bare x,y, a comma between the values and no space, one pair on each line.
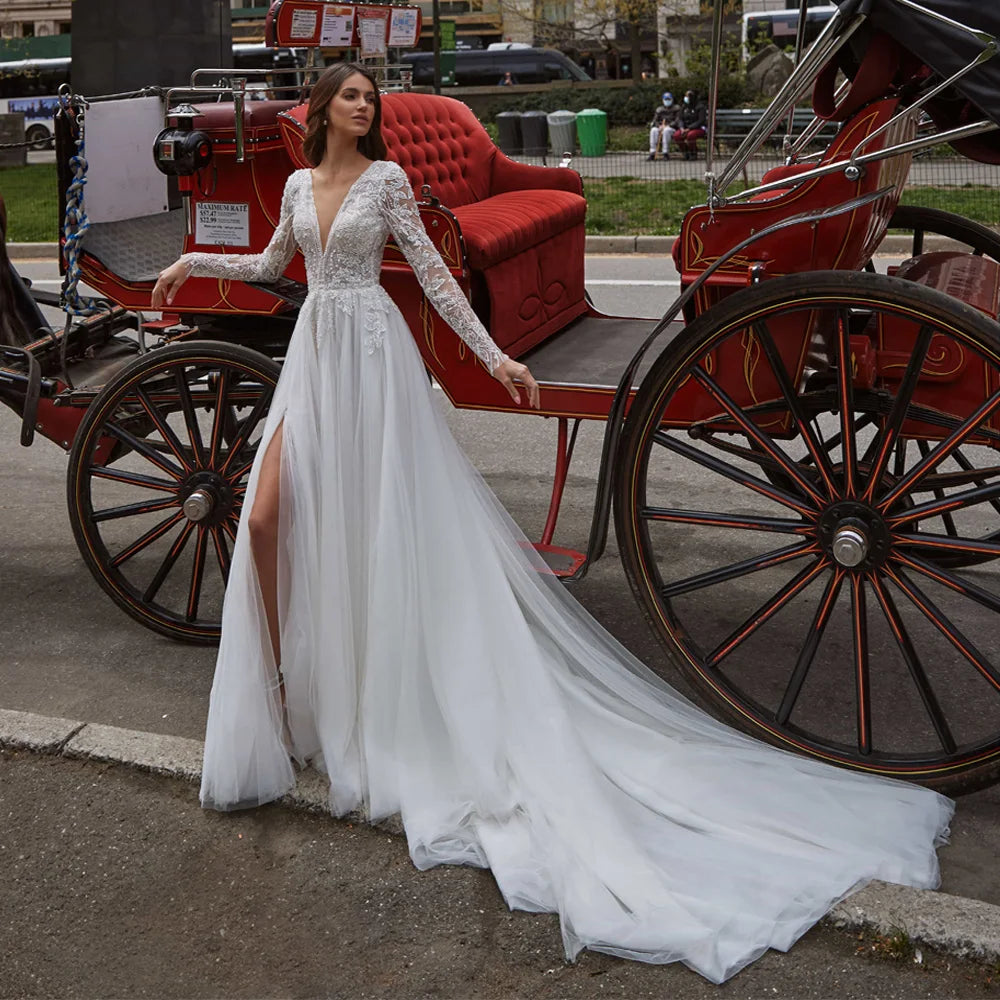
69,652
116,884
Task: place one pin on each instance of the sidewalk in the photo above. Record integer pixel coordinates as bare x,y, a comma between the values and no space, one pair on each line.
165,820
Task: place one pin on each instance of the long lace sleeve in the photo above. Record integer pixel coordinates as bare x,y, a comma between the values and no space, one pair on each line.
435,279
268,265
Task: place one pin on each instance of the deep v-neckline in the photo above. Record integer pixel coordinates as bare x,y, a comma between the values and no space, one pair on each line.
312,194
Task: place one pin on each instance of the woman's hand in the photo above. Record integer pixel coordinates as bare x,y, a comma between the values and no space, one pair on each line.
511,374
170,280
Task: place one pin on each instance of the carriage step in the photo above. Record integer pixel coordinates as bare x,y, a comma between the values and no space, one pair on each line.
562,562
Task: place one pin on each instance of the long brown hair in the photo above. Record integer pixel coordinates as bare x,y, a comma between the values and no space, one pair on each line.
371,145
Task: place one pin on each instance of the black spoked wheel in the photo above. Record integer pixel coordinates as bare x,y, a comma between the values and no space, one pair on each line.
808,508
918,222
157,476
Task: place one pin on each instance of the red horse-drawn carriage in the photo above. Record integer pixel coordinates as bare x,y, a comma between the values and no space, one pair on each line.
790,390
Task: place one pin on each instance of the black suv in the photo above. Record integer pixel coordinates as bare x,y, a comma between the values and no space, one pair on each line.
486,67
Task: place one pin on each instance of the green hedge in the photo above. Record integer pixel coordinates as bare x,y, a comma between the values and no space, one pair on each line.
624,105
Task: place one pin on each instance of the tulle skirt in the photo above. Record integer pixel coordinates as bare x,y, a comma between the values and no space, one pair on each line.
434,669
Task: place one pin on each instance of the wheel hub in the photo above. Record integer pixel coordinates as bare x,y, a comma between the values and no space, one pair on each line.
206,498
850,545
854,535
198,505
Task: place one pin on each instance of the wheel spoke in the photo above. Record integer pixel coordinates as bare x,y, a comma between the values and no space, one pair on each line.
736,475
808,651
168,562
941,452
221,552
235,477
190,418
889,433
744,522
133,509
230,525
219,423
945,543
197,575
945,503
845,400
968,589
763,440
148,538
899,461
166,432
859,633
915,667
132,478
143,448
819,455
766,611
735,570
959,457
933,614
247,428
938,493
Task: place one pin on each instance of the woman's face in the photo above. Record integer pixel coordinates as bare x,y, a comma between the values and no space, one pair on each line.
352,108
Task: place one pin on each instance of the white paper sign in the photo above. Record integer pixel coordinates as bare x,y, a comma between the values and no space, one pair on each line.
303,24
372,31
223,223
403,27
338,26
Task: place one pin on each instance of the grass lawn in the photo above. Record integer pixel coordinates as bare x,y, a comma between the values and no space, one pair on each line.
32,201
616,205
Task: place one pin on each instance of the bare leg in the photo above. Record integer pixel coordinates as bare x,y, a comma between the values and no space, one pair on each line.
263,526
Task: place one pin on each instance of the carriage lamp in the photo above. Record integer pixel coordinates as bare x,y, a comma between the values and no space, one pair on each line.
181,152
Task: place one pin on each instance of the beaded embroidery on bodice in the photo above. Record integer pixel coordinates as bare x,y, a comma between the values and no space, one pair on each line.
378,203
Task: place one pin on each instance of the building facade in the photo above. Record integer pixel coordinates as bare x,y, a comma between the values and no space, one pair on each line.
34,18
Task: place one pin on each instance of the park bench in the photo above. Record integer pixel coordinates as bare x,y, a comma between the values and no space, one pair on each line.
732,125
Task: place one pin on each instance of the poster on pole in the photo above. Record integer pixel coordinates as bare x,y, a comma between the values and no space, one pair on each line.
403,27
338,25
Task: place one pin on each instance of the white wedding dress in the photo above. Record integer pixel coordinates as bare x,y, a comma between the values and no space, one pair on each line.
432,668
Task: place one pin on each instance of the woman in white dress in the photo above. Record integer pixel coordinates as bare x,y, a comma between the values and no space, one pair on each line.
387,623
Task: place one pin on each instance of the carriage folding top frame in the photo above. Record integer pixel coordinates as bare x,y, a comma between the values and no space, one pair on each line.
791,389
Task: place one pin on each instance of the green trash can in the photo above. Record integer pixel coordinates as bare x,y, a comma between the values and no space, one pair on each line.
592,131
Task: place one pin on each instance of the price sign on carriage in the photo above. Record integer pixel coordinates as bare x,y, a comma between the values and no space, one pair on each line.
222,223
311,23
403,27
373,26
338,25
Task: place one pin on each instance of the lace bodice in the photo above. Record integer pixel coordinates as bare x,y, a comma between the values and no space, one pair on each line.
378,203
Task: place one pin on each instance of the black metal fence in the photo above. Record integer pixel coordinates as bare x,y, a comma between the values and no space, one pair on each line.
627,193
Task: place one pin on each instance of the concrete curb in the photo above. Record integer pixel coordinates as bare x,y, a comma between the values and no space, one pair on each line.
594,245
967,928
33,251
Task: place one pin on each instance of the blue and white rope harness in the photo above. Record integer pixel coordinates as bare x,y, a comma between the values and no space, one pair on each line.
75,225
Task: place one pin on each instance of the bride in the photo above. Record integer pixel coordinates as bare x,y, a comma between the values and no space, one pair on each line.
387,624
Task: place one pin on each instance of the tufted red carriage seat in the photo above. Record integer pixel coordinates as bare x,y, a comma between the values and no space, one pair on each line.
523,226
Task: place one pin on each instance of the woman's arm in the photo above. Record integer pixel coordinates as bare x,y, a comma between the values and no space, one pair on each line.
268,265
403,218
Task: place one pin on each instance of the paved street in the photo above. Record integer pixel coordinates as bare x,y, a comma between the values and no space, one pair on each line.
116,884
308,905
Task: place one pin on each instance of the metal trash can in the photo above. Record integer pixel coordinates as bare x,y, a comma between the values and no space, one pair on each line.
562,131
592,131
535,133
509,133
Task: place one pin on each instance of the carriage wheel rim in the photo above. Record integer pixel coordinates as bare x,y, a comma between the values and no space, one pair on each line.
207,478
856,520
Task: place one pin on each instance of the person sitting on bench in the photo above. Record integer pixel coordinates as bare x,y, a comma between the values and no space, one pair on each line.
692,119
663,126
